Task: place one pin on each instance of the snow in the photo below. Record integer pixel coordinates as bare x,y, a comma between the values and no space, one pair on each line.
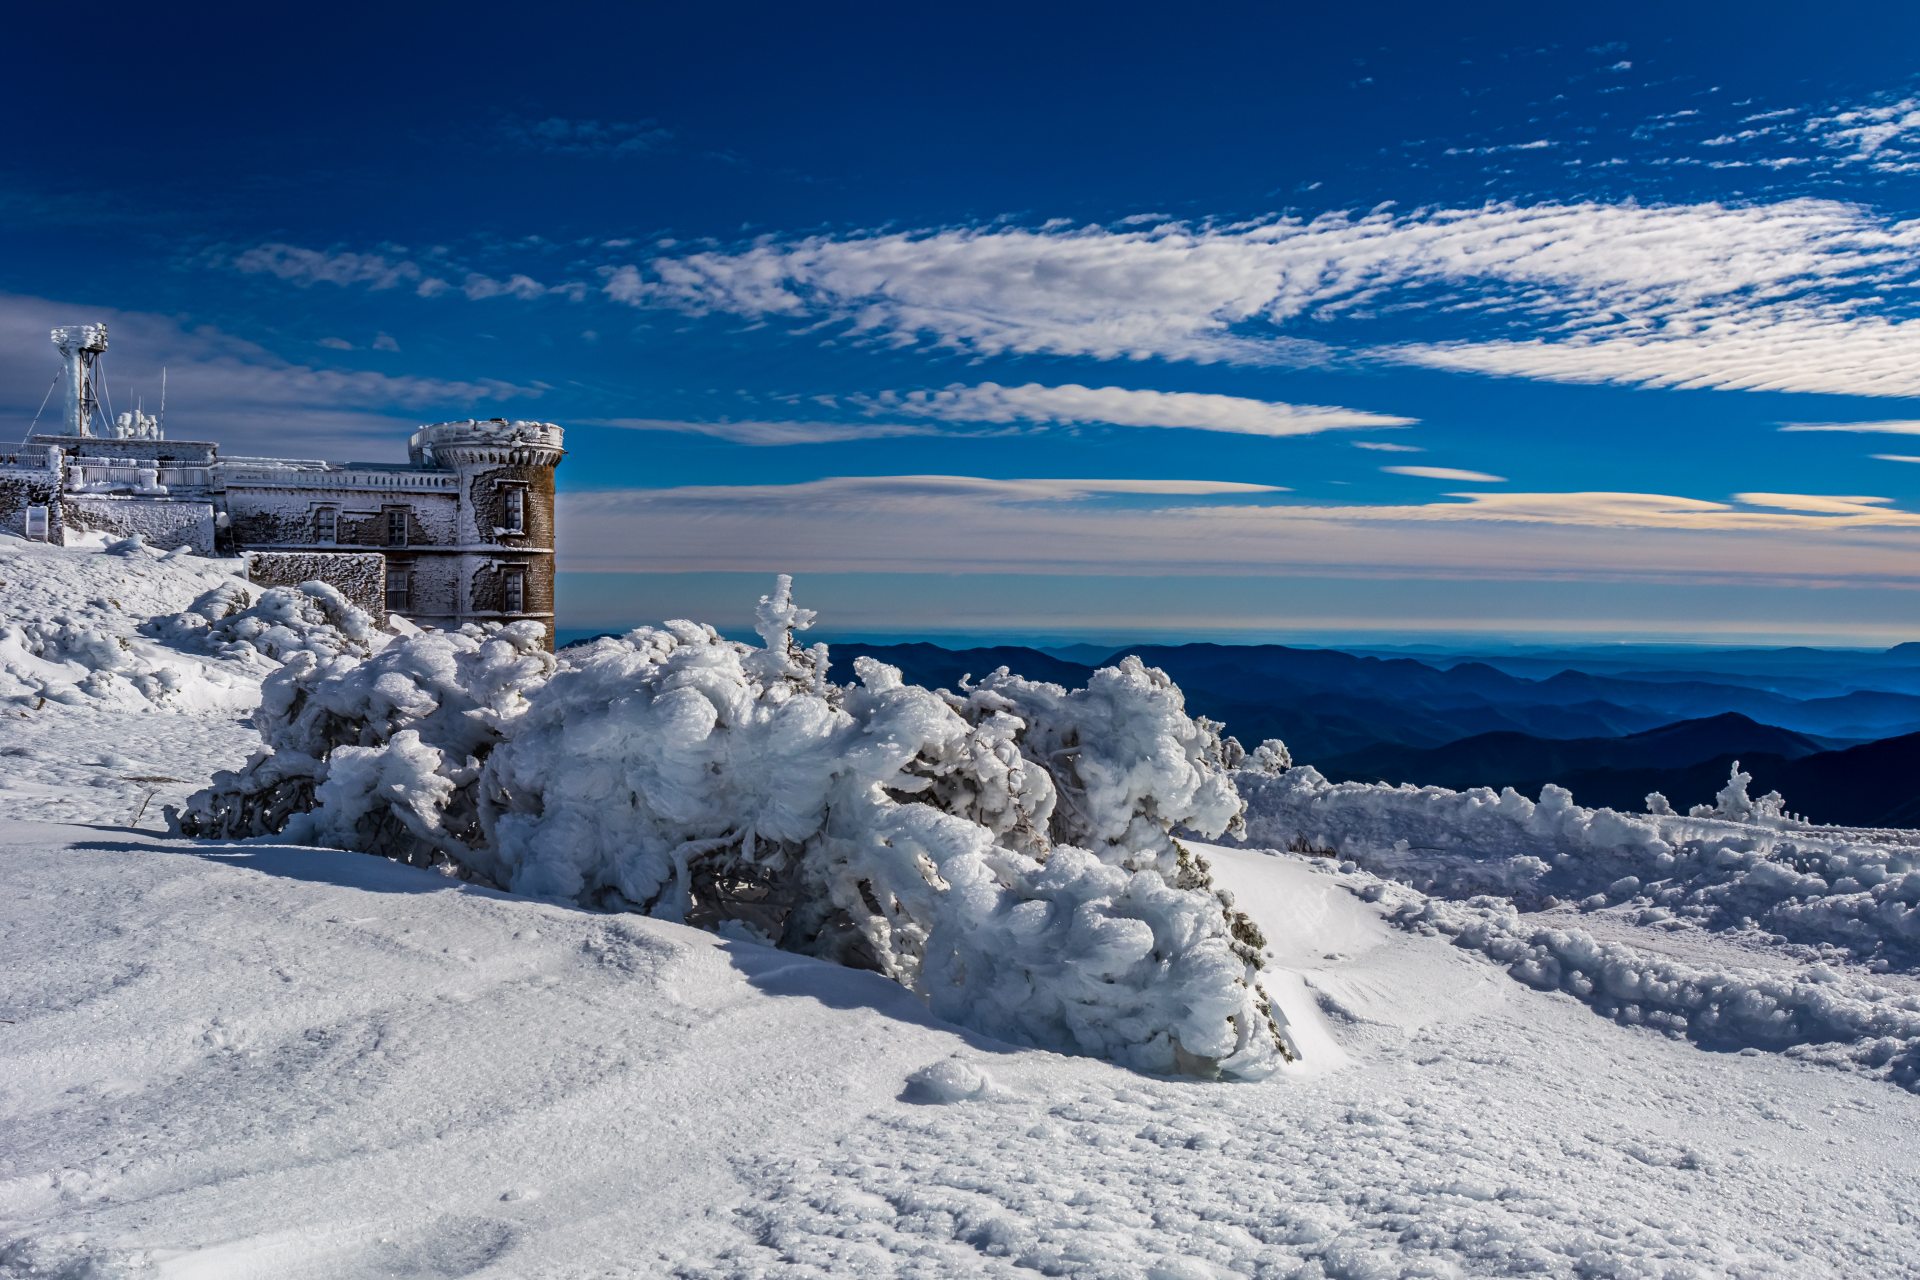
261,1060
241,1059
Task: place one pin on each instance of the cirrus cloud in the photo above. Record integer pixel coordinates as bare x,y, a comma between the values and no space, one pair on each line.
1076,405
1896,427
1446,473
1795,295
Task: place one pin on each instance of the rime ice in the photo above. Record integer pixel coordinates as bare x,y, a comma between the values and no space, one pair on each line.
1005,851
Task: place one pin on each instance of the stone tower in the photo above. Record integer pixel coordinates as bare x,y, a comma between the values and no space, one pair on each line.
505,530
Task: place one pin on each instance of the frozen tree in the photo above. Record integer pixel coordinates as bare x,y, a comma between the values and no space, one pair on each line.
1733,802
1005,849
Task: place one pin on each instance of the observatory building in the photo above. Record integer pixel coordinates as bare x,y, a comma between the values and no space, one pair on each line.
460,532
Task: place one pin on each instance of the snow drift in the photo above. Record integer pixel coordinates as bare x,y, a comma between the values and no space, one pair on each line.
1515,880
1005,850
105,627
1736,864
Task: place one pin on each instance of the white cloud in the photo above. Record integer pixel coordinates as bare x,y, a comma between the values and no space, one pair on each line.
1881,135
772,432
303,266
1073,404
1896,457
1538,144
477,287
307,267
1382,446
1445,473
1902,427
1799,295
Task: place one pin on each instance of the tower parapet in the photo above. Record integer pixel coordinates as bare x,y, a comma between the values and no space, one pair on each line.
483,441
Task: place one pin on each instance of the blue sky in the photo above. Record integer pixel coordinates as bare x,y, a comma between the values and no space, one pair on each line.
1043,320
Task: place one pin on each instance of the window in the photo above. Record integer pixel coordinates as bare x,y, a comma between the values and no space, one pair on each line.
515,517
399,588
326,524
513,589
396,526
37,523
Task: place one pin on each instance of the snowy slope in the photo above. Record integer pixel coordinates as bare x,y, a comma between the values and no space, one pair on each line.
265,1061
100,721
257,1060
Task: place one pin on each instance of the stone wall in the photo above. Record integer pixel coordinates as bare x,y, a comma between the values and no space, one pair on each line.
25,487
164,522
436,587
360,576
487,501
285,517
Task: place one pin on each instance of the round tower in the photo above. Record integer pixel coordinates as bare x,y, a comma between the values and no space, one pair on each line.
505,519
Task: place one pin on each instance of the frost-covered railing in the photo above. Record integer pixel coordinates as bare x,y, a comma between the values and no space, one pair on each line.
1006,850
314,474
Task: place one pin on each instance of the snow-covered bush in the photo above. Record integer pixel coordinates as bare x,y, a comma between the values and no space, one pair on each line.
237,619
1828,890
381,754
1006,850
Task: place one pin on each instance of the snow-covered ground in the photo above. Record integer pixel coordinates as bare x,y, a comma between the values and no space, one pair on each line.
254,1059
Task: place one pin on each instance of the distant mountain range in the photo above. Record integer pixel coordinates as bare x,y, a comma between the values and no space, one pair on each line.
1845,752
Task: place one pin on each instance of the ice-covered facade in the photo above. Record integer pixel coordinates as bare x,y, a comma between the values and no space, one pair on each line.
461,532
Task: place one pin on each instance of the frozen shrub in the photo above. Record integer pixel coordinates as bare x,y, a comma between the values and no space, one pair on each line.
1270,757
404,731
237,619
1006,850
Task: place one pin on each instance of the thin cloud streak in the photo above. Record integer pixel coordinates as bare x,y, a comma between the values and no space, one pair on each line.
1446,473
771,433
1893,428
1076,405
